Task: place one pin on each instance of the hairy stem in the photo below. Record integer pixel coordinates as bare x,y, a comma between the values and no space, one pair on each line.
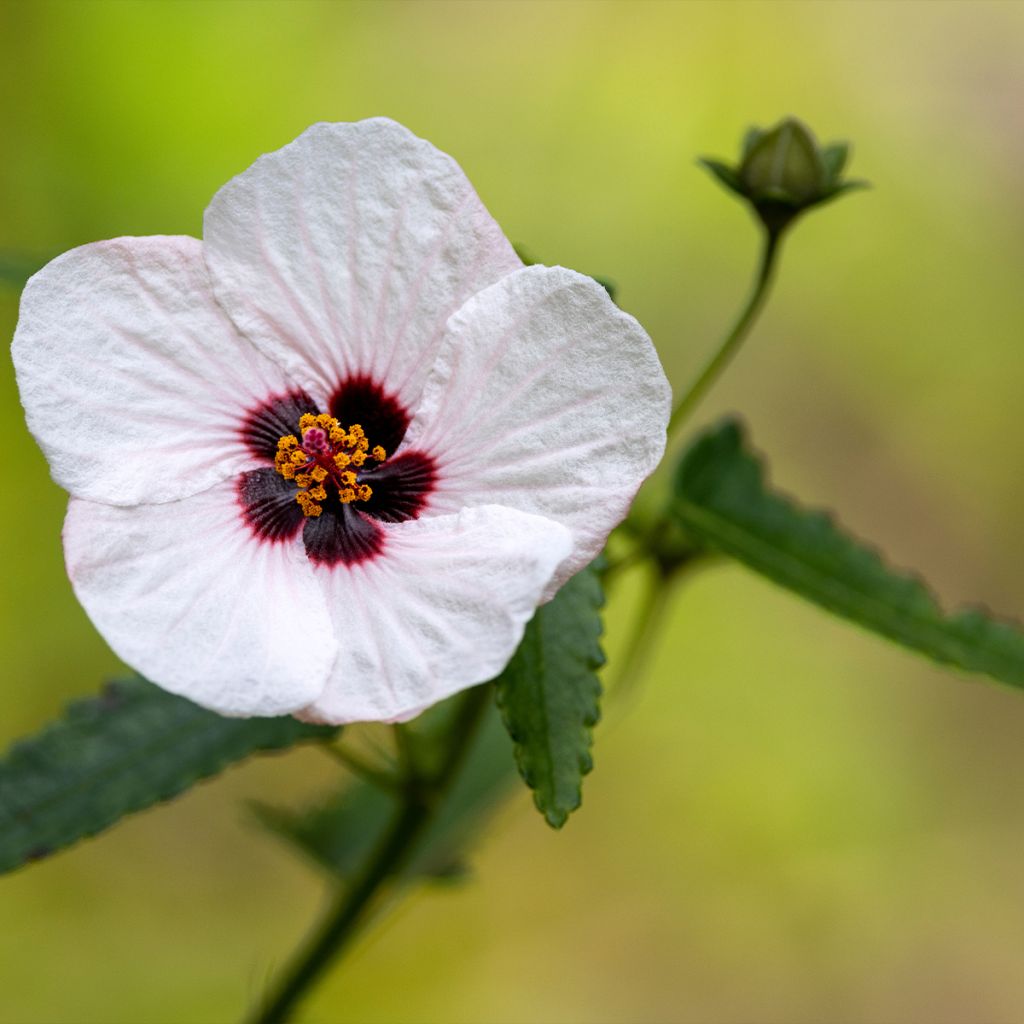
732,341
420,797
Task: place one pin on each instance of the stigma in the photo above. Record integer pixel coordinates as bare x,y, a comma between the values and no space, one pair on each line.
325,455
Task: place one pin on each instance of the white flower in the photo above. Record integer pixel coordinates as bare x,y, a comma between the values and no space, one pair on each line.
496,421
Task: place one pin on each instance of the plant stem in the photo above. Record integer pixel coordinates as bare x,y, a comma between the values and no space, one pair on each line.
732,341
420,797
358,765
633,659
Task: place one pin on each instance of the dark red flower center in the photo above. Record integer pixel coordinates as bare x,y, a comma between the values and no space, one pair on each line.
334,483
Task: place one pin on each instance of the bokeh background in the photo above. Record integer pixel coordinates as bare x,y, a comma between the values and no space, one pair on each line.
790,821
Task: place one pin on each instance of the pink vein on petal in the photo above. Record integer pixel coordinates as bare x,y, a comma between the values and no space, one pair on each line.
425,267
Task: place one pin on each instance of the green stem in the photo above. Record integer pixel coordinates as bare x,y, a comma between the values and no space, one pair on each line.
358,765
732,341
633,659
420,798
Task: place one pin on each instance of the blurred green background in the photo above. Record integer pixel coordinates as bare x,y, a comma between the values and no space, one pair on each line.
792,821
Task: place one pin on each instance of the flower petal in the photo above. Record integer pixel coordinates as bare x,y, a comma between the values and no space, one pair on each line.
134,381
441,608
548,398
187,595
343,254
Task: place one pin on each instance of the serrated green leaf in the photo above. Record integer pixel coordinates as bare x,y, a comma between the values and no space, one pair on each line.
111,755
339,833
549,695
724,501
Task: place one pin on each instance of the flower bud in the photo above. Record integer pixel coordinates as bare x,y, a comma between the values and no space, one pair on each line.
783,171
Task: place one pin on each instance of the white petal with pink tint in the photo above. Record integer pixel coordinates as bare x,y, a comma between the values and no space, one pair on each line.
345,252
545,397
134,381
184,593
442,608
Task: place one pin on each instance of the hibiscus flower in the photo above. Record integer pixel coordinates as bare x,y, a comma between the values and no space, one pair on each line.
329,459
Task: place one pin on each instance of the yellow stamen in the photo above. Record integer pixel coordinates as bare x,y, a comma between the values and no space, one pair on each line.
348,448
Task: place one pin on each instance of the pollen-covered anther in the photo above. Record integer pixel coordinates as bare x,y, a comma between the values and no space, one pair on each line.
327,456
307,504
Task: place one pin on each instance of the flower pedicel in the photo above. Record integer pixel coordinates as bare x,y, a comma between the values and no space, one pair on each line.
329,459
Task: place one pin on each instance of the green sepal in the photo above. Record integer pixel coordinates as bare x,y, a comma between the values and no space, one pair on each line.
750,139
724,173
549,695
133,746
724,500
834,158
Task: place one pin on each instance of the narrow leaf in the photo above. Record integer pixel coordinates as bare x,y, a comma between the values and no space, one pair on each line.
724,501
111,755
339,833
549,696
